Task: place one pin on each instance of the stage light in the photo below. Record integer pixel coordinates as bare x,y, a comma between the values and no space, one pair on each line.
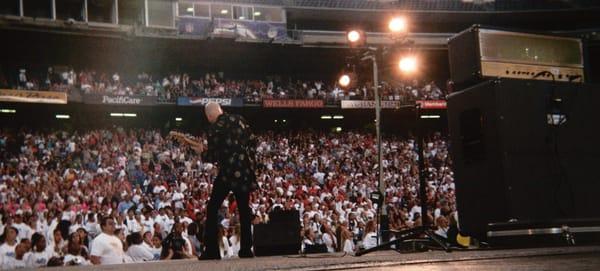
325,117
408,64
63,116
430,116
116,114
8,111
178,119
398,25
338,117
353,36
338,129
344,80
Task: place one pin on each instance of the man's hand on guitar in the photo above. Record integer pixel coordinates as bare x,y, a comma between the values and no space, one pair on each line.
183,139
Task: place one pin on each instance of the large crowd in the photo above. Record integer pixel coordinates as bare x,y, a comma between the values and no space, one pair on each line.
215,85
119,196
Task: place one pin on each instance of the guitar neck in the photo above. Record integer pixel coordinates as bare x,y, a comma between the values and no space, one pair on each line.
192,142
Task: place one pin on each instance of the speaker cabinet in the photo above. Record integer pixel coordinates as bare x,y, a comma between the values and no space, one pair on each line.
281,236
510,164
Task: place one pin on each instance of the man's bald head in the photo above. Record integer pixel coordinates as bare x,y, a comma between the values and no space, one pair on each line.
213,111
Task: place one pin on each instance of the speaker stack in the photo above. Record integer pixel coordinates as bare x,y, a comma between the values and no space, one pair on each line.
281,236
524,137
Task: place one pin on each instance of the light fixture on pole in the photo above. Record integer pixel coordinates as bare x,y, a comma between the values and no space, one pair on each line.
356,38
353,36
398,25
408,64
344,80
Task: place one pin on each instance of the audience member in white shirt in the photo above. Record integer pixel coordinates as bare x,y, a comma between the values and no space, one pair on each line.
137,250
7,249
370,239
148,244
134,223
329,238
40,254
24,230
348,243
106,247
17,262
91,226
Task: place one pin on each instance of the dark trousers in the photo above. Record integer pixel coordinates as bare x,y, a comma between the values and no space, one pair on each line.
219,193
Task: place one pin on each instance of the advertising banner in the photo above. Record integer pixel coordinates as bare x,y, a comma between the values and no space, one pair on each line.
293,103
200,101
369,104
119,100
432,104
27,96
253,30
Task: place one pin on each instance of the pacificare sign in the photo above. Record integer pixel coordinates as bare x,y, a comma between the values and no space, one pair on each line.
119,100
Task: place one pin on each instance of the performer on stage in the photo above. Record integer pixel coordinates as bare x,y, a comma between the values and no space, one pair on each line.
231,145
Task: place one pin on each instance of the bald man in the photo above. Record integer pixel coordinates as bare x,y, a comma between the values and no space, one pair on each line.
232,146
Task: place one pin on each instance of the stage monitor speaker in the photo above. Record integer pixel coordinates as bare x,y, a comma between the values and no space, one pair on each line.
510,164
281,236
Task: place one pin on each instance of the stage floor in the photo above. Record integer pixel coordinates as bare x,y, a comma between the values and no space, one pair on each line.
558,258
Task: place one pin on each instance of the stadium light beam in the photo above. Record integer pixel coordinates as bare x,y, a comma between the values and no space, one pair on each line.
344,80
398,25
408,64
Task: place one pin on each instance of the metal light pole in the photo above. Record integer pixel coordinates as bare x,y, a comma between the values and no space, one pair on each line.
398,28
382,211
372,55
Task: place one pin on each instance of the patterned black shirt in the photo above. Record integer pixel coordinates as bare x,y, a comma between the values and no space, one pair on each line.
232,145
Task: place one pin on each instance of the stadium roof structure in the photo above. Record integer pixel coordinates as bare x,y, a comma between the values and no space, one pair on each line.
427,5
